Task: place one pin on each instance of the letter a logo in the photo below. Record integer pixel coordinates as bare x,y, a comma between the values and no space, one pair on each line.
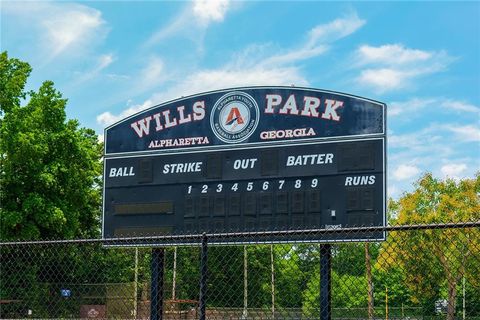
233,116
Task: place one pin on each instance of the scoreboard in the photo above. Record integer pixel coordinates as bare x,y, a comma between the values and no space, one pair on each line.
248,160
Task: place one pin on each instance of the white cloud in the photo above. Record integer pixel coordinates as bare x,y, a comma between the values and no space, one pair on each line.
337,29
436,138
451,149
405,172
182,23
152,74
59,27
460,106
192,22
393,191
317,42
70,28
413,105
384,79
466,133
255,65
419,144
103,62
207,80
433,149
393,66
295,55
210,10
394,78
107,118
453,170
391,54
116,76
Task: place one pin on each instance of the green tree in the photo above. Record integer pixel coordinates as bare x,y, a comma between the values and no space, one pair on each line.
348,292
435,257
50,168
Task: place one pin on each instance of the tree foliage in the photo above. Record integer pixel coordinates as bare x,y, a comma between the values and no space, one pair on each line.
436,258
13,77
50,167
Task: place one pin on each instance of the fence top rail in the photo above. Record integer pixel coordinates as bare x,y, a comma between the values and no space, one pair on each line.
198,237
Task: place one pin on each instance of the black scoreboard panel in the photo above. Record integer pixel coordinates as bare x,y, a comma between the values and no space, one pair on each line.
295,187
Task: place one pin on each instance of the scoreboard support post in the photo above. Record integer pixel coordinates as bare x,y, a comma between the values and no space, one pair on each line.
157,282
203,277
325,282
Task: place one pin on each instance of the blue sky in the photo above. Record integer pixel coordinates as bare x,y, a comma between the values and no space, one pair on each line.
112,59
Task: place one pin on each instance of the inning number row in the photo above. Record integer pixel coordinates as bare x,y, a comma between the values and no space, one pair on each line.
251,186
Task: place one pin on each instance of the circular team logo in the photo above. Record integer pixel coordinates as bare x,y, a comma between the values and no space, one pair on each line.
234,117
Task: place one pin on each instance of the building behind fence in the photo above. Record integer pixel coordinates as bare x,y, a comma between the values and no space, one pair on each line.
420,272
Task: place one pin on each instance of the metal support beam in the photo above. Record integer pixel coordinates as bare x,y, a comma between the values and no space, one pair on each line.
157,267
325,282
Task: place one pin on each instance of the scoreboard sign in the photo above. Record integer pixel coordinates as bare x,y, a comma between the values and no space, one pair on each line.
248,160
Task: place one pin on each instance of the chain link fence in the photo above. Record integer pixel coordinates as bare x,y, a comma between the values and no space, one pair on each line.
419,272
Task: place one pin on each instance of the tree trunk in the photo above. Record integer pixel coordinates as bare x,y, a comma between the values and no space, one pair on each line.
453,276
452,298
368,267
